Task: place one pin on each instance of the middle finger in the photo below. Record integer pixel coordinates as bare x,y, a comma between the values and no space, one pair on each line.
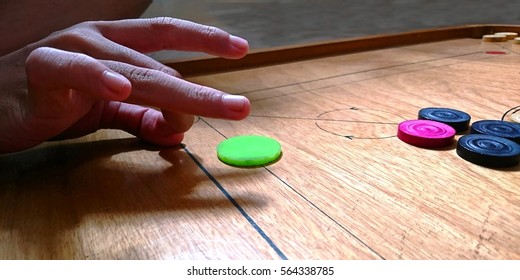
103,48
83,38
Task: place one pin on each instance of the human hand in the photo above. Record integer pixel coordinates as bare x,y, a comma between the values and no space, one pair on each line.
94,75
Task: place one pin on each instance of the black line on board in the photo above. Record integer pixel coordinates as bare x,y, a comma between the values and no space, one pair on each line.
317,119
324,213
352,137
364,71
252,222
357,81
505,48
218,131
237,206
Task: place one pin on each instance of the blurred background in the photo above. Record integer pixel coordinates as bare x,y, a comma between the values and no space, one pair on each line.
273,23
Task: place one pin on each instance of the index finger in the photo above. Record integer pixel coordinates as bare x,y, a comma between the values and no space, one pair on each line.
157,89
155,34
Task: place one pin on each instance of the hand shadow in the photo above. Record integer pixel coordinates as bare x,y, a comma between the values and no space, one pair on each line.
48,191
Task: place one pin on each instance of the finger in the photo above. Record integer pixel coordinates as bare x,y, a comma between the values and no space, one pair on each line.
157,89
95,45
149,35
178,122
145,123
53,69
108,50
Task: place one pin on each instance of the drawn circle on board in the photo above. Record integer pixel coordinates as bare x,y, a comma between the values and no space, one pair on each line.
515,116
512,115
359,123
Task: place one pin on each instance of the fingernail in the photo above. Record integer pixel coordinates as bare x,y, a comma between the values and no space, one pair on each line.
114,81
234,102
238,42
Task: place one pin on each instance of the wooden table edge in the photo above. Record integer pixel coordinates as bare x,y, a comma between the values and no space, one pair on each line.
271,56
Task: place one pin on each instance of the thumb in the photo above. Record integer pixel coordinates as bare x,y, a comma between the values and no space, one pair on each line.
52,69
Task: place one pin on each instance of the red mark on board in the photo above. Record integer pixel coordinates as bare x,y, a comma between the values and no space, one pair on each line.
495,52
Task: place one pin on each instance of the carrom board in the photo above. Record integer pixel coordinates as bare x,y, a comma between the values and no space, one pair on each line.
345,187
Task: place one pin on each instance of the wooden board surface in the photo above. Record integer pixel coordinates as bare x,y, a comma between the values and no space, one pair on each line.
345,187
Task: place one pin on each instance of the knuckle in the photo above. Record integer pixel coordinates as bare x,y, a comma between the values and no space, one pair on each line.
201,94
75,37
141,74
55,58
185,126
77,59
163,21
46,64
162,25
212,32
35,59
37,55
166,23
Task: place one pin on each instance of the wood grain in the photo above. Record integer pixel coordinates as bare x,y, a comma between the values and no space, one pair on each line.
345,187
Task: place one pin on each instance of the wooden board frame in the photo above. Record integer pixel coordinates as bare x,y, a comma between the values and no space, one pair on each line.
203,66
